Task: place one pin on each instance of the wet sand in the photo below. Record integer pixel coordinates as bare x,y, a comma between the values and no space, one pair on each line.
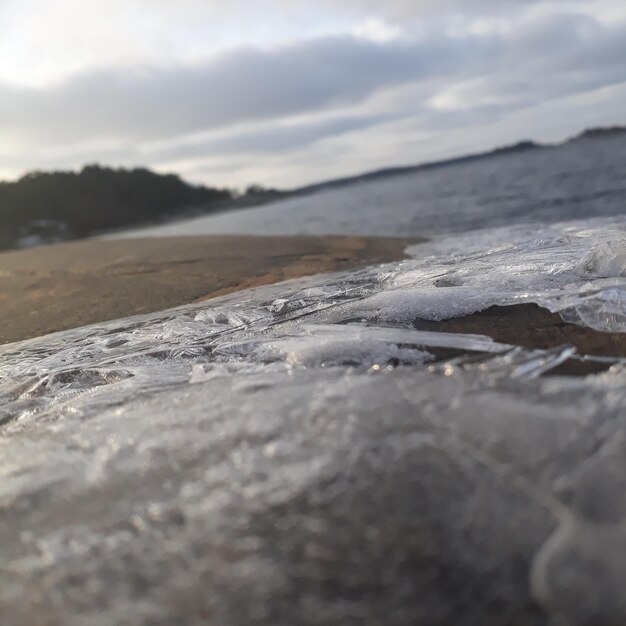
57,287
531,326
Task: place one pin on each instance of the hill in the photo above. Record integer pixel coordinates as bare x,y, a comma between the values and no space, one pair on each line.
600,133
521,146
43,207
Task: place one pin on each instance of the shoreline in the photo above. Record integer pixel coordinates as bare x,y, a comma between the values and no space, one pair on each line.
61,286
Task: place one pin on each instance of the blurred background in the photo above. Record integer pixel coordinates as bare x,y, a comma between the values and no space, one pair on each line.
242,101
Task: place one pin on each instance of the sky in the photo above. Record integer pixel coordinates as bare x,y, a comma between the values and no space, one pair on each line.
289,92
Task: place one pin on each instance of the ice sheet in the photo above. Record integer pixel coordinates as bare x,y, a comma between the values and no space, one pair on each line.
246,457
577,269
361,318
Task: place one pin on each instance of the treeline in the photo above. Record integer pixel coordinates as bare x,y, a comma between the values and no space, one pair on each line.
55,206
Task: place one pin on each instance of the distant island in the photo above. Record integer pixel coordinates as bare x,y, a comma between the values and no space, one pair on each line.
521,146
44,207
599,133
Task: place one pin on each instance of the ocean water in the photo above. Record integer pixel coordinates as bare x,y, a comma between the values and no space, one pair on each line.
577,180
303,453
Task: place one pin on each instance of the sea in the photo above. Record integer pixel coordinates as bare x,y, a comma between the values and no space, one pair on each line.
576,180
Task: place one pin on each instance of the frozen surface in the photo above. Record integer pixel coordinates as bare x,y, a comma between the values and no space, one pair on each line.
576,180
302,454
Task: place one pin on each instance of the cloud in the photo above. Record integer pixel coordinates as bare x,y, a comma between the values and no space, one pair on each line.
269,139
247,85
244,85
420,8
308,94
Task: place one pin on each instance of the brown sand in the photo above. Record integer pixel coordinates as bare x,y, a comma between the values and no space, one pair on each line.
61,286
531,326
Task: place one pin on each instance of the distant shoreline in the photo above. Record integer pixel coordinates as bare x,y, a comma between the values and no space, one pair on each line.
62,286
51,207
524,145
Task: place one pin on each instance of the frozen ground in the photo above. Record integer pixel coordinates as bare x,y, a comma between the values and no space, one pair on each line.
301,453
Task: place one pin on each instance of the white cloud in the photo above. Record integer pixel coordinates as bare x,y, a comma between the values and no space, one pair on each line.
290,89
376,29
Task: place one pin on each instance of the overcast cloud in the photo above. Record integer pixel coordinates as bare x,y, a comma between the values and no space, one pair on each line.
287,93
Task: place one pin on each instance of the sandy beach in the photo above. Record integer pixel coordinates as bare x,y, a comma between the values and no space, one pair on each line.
57,287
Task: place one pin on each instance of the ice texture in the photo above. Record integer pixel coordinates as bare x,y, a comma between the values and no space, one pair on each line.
577,269
302,454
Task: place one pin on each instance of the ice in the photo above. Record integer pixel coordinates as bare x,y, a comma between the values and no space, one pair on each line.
328,345
606,258
301,453
359,318
576,269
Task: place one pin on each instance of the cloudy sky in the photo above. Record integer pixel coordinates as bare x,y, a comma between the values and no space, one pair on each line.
286,92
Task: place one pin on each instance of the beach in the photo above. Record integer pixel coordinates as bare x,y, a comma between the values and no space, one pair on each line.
313,313
61,286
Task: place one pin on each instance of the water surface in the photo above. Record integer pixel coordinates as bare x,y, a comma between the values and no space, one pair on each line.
577,180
